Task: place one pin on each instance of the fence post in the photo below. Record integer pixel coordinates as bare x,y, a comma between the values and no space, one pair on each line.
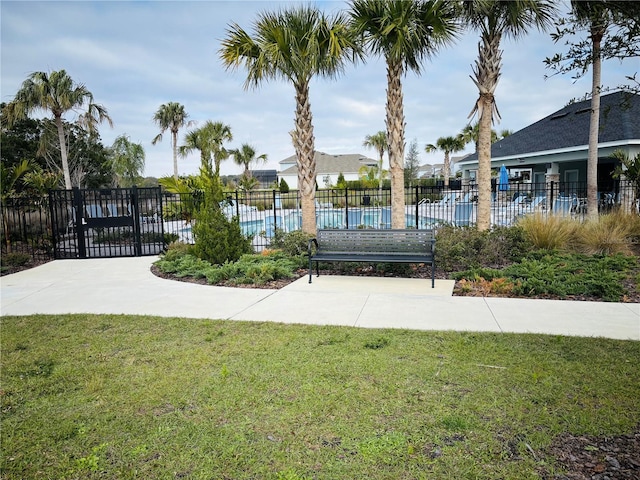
275,212
346,209
78,223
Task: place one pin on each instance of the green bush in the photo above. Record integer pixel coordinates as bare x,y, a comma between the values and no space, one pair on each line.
459,249
284,186
544,273
255,269
293,243
217,239
15,259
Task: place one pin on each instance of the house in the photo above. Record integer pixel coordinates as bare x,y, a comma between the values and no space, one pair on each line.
556,147
436,170
328,168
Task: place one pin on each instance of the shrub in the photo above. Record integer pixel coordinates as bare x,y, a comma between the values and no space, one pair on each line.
603,236
548,232
218,239
15,259
293,243
463,248
284,186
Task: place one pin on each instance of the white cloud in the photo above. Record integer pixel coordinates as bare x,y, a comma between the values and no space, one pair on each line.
134,56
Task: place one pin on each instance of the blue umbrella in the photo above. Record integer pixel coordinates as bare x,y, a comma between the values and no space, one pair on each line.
503,179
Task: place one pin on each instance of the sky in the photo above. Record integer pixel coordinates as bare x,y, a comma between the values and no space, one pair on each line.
137,55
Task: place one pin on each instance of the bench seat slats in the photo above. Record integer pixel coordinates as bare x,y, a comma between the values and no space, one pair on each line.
386,246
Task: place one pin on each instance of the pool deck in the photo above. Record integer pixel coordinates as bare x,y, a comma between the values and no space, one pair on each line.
127,286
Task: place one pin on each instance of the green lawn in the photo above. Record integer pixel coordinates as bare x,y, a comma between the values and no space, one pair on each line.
119,397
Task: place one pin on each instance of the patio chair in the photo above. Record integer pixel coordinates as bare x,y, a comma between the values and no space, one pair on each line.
562,206
463,213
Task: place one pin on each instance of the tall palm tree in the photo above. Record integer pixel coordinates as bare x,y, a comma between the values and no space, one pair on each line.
405,32
495,19
219,133
294,44
447,145
245,156
209,140
56,93
380,144
171,116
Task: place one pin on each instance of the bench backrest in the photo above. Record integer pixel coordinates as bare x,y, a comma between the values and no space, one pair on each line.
376,241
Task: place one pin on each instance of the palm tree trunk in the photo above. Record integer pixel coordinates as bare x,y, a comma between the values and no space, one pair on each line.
484,162
395,133
446,169
380,177
594,127
306,158
63,153
174,142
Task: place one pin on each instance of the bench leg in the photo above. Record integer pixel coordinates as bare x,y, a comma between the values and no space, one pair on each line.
433,274
310,269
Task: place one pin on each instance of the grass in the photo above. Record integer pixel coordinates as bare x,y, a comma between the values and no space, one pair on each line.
123,397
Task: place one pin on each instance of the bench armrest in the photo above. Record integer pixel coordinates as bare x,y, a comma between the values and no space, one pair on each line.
309,246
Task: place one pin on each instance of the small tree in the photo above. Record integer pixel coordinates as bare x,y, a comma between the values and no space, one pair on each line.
412,163
284,186
218,239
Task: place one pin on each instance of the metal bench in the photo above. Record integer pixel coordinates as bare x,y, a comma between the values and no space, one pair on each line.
384,246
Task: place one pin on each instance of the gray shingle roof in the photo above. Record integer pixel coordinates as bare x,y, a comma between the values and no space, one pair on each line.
327,163
569,127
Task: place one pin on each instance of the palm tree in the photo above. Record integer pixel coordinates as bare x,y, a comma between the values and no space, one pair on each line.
127,159
246,155
209,140
405,32
447,145
293,44
56,93
470,134
495,19
171,116
380,144
219,134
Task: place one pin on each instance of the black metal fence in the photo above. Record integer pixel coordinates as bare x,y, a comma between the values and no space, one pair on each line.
111,222
125,222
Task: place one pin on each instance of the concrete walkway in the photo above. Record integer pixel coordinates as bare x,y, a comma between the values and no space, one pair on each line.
126,286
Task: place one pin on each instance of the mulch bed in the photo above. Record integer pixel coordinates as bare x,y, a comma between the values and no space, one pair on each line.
596,458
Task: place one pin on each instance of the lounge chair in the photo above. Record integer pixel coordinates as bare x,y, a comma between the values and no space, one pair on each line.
463,213
562,206
94,210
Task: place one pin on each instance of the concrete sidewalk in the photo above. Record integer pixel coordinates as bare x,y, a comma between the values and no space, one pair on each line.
126,286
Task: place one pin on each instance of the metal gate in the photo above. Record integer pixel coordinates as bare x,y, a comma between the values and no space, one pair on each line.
111,222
